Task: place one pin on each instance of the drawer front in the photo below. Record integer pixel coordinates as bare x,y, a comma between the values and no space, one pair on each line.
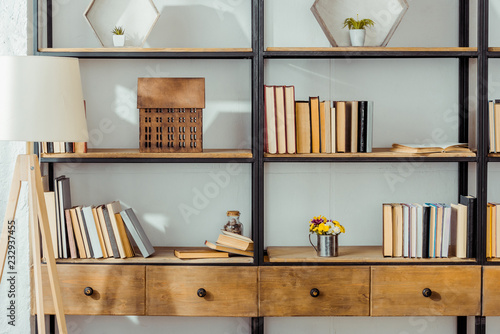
399,290
491,291
287,291
117,290
230,291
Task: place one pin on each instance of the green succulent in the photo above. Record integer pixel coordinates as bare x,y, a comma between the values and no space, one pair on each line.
351,23
118,31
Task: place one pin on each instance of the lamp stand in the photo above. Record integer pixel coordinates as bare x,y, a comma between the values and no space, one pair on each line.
28,169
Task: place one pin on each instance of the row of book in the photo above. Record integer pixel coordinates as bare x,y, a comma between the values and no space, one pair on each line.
431,230
228,243
493,230
62,147
315,126
103,231
494,125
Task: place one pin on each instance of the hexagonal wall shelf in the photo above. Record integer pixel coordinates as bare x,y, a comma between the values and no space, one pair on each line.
137,17
387,14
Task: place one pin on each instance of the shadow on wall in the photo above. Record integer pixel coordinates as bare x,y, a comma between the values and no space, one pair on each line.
186,27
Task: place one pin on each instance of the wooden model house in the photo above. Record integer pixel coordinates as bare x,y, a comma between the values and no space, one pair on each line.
170,113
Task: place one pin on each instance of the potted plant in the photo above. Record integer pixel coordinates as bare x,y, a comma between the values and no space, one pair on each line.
327,232
357,29
118,36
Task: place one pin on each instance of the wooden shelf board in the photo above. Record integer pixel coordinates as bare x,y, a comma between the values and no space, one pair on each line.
370,48
377,153
145,50
163,255
356,254
494,49
105,153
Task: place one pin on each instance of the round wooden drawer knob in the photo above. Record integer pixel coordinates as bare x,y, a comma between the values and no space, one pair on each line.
427,292
88,291
201,293
314,292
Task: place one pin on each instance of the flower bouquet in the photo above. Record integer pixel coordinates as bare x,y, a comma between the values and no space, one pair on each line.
327,232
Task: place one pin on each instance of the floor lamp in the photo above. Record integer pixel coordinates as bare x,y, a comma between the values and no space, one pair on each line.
41,100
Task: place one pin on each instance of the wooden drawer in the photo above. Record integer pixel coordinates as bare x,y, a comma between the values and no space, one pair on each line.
491,291
398,290
286,291
118,290
230,291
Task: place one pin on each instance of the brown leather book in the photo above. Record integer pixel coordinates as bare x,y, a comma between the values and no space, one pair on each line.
314,109
340,109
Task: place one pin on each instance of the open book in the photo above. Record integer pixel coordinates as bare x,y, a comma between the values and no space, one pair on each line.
432,148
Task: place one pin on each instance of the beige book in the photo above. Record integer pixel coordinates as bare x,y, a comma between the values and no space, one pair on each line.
333,130
113,209
340,109
303,126
99,232
82,229
279,95
387,229
78,233
397,230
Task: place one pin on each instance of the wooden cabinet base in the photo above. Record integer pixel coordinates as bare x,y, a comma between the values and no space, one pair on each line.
426,290
491,291
314,291
202,291
115,290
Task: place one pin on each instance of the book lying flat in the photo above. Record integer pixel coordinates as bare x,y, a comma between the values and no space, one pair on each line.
199,253
234,240
436,148
227,249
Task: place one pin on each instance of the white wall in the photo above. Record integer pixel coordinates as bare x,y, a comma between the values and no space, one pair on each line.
425,91
14,41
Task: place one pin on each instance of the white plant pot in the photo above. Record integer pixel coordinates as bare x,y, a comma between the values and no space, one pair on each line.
357,37
118,40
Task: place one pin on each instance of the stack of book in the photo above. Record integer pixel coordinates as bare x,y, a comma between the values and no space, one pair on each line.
62,147
103,231
315,126
432,230
227,243
492,231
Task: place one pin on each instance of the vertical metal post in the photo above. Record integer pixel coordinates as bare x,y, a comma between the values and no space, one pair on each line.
35,26
257,325
258,140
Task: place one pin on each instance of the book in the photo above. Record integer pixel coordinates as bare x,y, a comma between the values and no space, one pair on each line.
445,245
406,230
91,229
127,247
71,236
99,232
497,124
200,253
432,230
270,140
114,208
333,130
387,229
315,124
111,232
234,240
85,235
497,236
354,126
348,125
491,126
303,126
279,98
291,147
471,203
369,128
328,129
493,230
362,125
137,232
63,202
227,249
439,229
322,127
50,203
69,147
78,234
419,229
426,226
397,230
105,231
433,148
458,231
413,231
488,231
340,110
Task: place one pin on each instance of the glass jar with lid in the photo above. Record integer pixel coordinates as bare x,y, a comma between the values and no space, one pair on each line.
233,222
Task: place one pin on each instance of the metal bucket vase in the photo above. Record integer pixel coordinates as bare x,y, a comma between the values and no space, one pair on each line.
327,245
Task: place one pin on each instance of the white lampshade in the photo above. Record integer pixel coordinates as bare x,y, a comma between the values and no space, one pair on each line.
41,99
